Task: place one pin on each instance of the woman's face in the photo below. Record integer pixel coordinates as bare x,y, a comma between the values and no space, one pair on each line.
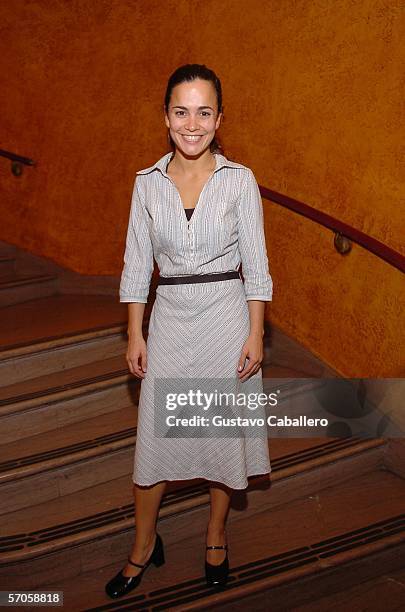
192,116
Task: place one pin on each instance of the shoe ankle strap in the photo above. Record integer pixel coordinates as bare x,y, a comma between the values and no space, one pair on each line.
136,564
225,547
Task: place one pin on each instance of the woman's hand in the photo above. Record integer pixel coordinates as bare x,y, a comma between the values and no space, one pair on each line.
137,349
253,351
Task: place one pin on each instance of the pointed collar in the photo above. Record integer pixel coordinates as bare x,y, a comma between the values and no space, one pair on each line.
161,164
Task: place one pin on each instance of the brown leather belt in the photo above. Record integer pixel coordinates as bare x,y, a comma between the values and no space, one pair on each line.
197,278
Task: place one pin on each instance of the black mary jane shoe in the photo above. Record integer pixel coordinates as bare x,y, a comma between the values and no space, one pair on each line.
121,585
217,575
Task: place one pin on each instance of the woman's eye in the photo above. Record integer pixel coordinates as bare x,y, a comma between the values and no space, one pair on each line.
204,113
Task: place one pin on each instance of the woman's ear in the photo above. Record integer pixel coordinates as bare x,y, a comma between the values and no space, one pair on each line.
167,122
219,120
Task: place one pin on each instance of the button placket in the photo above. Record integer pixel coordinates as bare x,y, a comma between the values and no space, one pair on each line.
191,241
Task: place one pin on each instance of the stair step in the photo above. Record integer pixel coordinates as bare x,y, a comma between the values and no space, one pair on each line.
58,316
51,334
40,537
7,264
56,382
7,249
283,351
60,462
16,287
61,398
20,278
370,595
60,354
278,559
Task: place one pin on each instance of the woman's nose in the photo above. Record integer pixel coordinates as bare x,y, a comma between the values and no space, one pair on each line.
192,123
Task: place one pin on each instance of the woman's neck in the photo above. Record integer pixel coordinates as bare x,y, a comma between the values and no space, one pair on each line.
179,164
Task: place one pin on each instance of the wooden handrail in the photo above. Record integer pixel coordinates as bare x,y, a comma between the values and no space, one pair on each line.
18,158
371,244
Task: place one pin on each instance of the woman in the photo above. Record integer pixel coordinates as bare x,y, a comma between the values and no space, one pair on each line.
199,215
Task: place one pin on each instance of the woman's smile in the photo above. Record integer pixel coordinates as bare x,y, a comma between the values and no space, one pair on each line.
191,138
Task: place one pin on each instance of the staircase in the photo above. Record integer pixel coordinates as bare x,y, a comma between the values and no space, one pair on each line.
329,528
19,283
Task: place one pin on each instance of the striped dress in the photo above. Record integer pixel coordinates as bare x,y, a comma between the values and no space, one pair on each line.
197,331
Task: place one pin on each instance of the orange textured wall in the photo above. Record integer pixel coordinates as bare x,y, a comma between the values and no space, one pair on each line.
312,103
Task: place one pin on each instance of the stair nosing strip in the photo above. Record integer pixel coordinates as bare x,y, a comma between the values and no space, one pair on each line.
375,443
8,284
70,449
47,397
67,460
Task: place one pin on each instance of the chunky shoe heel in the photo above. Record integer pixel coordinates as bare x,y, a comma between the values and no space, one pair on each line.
158,555
217,575
121,585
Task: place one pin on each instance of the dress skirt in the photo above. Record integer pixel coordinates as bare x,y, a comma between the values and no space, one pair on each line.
197,331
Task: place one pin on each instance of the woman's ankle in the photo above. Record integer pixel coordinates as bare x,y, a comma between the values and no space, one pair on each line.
145,541
216,530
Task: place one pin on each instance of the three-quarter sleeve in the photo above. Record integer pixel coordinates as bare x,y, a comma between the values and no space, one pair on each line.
138,257
252,242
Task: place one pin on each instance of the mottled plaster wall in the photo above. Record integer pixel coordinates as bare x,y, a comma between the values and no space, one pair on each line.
312,96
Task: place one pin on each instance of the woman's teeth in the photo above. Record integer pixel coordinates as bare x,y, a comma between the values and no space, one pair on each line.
191,138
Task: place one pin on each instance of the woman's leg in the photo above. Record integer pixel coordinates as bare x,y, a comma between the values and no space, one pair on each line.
147,502
220,496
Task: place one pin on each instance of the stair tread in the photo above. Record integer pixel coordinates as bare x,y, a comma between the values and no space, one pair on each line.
80,433
365,596
58,381
14,278
376,496
56,316
73,507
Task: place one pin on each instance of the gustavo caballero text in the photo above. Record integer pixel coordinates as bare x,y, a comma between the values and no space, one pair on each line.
220,421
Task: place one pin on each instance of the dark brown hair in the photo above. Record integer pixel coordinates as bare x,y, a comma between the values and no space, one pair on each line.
187,73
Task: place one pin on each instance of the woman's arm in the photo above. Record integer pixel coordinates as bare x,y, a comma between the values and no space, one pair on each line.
252,352
252,242
255,269
136,343
135,280
138,257
135,320
256,312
